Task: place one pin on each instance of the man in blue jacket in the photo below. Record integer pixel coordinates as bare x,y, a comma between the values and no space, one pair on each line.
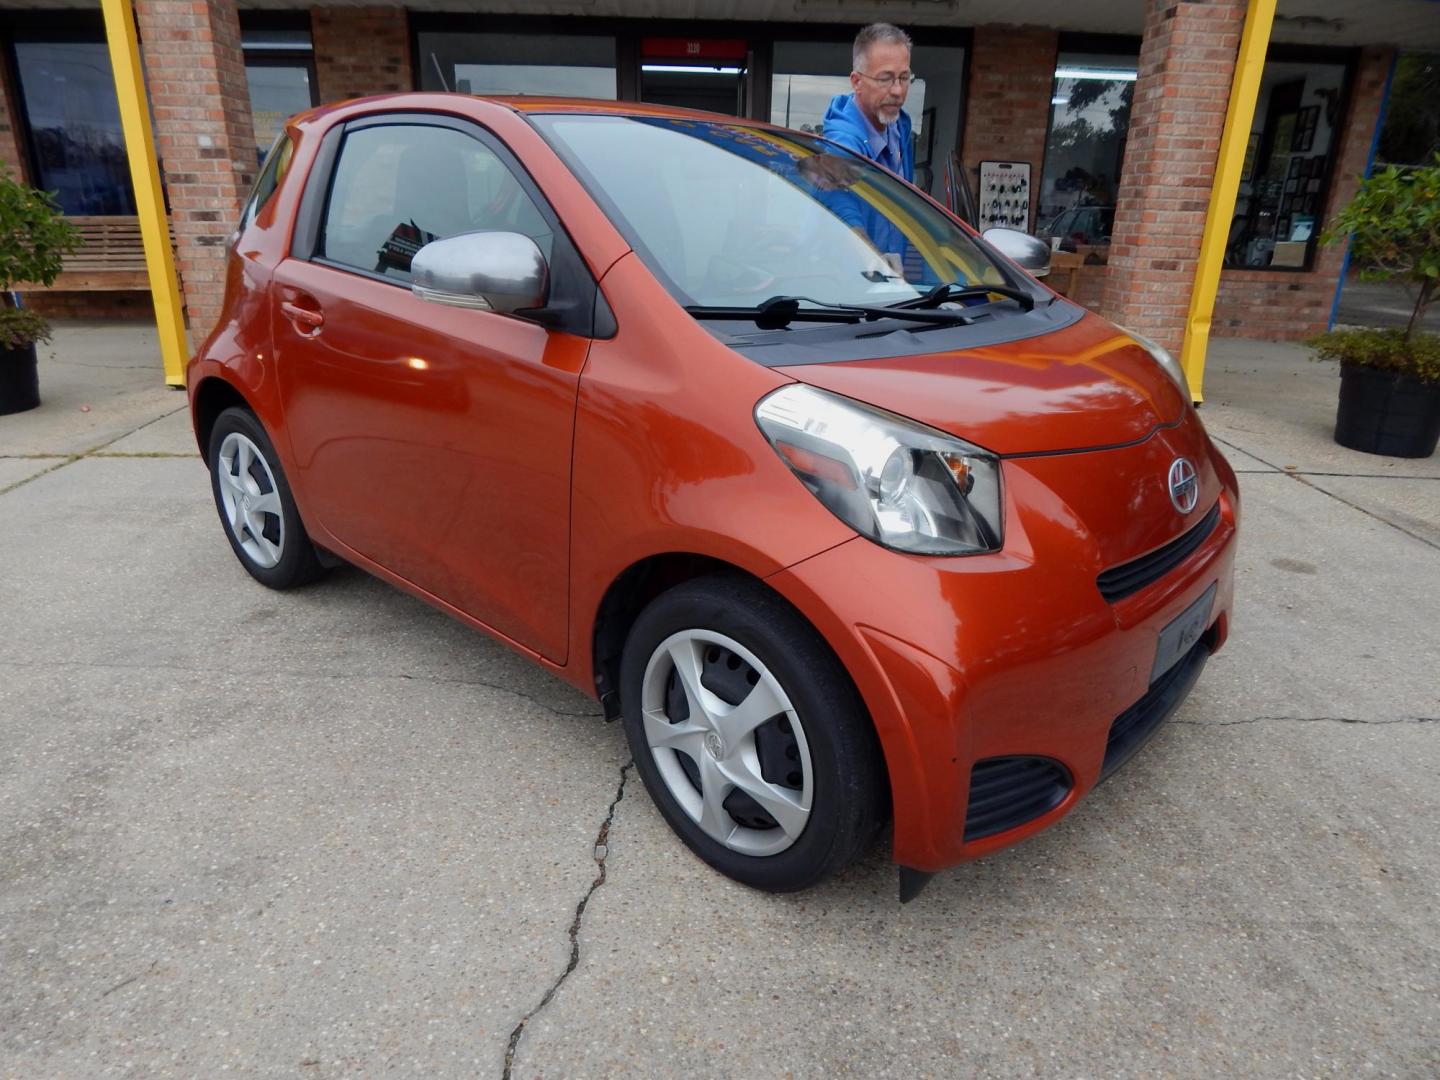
871,120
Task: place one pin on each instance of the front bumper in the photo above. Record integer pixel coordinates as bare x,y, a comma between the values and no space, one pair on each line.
1016,656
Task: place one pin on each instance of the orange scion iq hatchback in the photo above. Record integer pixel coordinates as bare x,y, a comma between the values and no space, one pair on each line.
851,521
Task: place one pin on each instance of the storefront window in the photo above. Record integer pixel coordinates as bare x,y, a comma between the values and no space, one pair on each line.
807,74
78,150
564,65
1288,162
281,75
1089,121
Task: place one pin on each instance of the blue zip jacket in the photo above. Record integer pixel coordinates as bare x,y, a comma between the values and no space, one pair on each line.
847,125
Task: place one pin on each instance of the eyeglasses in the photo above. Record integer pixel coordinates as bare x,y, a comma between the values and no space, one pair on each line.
889,79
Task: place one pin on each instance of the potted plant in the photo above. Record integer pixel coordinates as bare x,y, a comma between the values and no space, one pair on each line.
34,239
1390,379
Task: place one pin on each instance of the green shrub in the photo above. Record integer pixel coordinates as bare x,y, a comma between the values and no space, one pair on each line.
1393,223
1388,350
34,240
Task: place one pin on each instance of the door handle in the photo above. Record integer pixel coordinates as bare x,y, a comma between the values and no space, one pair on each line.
302,316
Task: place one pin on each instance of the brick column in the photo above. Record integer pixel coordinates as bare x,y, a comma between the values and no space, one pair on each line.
204,136
1187,59
360,51
1278,304
1007,109
10,155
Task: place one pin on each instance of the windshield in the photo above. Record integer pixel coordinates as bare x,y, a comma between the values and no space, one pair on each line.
726,214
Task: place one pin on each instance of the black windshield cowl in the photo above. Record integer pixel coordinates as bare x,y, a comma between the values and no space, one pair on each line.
941,294
780,311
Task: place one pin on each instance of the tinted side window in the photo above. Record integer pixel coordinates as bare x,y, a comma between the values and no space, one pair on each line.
398,187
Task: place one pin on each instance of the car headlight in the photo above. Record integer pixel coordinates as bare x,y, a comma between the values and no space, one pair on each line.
901,484
1161,356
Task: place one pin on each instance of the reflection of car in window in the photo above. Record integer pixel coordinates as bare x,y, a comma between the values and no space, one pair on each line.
1080,226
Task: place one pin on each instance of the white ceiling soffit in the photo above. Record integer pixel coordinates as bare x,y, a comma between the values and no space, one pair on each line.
1413,25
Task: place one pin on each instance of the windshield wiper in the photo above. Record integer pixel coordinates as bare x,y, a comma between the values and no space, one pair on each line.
942,293
780,311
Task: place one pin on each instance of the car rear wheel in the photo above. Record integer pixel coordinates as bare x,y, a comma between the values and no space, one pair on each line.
255,504
749,735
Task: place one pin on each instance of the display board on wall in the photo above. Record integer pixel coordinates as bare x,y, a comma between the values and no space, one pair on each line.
1004,195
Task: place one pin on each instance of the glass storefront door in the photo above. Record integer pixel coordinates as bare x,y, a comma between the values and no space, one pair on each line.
695,73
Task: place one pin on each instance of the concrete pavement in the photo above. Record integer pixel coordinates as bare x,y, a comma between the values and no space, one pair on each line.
333,833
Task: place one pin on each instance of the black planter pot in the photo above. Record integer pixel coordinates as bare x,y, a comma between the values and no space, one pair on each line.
1387,412
19,380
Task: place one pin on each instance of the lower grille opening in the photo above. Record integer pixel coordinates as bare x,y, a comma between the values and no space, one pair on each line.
1009,791
1133,728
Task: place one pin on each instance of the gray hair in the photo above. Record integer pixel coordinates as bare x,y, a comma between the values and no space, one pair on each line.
876,34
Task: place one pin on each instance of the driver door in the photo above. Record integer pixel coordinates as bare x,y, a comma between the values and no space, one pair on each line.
431,440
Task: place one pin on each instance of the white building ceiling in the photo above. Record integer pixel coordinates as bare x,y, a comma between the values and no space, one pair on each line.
1411,24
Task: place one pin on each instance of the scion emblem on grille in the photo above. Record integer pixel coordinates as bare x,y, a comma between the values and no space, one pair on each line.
1184,487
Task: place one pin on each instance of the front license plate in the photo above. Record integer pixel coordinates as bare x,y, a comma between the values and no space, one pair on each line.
1180,636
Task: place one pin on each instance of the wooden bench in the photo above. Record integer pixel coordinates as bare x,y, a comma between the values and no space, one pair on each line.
111,257
1065,271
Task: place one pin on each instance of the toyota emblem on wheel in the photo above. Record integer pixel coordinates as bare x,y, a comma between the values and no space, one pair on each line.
1184,488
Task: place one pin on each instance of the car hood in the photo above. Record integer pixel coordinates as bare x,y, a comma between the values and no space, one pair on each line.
1086,386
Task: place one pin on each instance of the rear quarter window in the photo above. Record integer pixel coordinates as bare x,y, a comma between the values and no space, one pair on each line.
276,165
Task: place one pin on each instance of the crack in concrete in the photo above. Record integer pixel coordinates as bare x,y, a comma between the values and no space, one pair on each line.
602,853
1299,478
1311,720
272,672
126,982
70,459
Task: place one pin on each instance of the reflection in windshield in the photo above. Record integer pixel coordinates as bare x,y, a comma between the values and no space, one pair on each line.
730,214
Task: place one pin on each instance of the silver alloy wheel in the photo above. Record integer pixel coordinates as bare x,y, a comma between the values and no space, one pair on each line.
719,739
252,504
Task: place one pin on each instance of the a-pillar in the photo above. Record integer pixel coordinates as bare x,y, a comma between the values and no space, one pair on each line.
195,71
1187,60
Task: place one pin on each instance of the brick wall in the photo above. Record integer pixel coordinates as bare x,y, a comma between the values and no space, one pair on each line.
360,51
204,136
1277,304
1007,108
1187,59
10,155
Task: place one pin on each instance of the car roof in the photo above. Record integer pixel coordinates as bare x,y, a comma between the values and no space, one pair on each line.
534,103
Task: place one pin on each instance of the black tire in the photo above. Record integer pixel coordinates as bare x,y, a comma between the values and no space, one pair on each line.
849,794
297,563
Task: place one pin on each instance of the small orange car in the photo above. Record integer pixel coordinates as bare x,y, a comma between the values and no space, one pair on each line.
851,520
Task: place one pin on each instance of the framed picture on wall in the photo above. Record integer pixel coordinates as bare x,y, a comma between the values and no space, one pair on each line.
1305,121
1284,136
1251,149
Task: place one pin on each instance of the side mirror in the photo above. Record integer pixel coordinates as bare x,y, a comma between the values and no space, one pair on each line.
1031,253
492,271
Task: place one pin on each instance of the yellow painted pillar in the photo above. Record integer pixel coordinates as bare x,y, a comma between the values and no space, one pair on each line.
145,176
1244,90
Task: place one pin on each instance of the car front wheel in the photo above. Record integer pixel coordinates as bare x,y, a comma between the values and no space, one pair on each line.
749,735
